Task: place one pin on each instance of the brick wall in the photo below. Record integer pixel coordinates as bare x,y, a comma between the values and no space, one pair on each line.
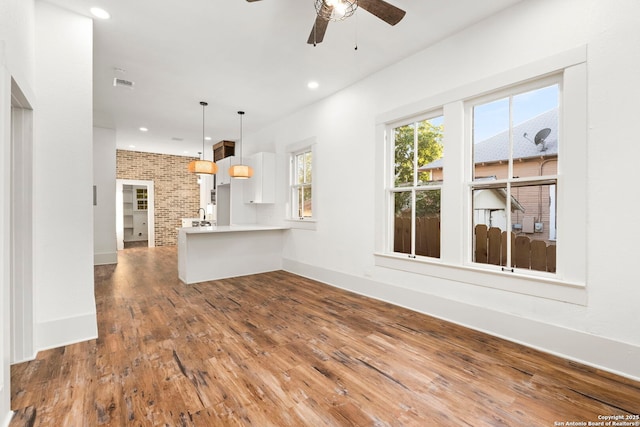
177,194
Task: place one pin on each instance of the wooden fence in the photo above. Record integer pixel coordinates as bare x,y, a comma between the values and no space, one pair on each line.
491,245
427,236
491,248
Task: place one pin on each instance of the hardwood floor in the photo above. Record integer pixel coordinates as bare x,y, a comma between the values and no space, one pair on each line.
280,350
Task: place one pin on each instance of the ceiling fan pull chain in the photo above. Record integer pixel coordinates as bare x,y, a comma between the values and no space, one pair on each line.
356,24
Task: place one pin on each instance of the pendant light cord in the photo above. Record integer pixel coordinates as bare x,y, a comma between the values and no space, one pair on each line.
204,104
241,113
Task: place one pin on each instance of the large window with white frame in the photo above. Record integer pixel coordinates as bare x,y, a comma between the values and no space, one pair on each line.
514,176
508,183
416,186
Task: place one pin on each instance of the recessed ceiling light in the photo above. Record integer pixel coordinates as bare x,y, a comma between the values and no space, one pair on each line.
132,146
207,138
143,129
313,85
100,13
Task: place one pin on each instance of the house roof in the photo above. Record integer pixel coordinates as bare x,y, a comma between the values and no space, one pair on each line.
496,148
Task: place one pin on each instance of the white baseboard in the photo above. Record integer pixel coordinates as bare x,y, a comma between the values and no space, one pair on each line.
619,358
26,358
70,330
7,419
105,258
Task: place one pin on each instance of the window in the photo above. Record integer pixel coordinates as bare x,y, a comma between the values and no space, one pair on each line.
515,141
417,182
301,184
141,199
507,188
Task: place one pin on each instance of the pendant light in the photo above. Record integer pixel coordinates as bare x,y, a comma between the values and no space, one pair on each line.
203,166
241,171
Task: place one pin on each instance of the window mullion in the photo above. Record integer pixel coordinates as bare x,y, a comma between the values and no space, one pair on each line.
413,190
510,167
413,223
301,179
415,154
509,179
508,228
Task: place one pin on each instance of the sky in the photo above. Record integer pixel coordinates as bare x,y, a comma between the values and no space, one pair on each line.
493,117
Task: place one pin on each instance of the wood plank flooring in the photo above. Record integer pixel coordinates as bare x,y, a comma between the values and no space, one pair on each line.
277,349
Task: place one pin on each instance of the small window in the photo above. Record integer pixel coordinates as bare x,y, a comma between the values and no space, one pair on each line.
417,183
141,199
301,184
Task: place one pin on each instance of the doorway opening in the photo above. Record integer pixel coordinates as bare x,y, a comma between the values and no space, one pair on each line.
135,215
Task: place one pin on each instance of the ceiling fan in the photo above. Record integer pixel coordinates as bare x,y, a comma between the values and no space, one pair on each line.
337,10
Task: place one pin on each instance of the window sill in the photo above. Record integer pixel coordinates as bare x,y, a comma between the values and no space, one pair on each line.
542,287
302,224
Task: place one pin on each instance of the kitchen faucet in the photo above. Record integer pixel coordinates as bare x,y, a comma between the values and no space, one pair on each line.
204,213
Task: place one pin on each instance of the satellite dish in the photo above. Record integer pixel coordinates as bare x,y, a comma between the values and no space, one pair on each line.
541,136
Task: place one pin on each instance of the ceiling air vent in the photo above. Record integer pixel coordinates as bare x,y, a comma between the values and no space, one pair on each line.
123,83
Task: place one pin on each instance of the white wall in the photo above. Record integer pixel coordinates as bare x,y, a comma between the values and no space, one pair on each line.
63,226
104,212
341,250
17,30
16,60
5,230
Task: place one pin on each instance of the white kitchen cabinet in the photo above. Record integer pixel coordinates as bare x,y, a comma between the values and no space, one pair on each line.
230,207
261,188
222,177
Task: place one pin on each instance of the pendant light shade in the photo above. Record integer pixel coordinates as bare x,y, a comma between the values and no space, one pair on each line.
202,166
241,171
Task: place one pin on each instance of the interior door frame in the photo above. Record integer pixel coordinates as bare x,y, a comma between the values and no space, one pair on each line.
120,183
22,336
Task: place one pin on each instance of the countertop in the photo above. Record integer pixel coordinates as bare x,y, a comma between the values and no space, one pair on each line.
231,228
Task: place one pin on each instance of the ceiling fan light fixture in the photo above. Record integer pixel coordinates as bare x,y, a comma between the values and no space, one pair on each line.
335,10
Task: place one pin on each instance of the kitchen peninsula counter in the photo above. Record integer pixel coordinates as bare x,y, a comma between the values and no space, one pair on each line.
218,252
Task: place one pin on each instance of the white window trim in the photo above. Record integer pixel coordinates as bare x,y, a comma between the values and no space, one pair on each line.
391,189
308,223
569,282
553,79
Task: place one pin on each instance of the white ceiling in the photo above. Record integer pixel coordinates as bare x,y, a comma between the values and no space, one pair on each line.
238,55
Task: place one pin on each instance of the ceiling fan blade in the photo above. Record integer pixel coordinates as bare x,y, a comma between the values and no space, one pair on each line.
318,30
383,10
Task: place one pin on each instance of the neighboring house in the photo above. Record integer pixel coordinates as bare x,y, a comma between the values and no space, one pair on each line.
531,207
